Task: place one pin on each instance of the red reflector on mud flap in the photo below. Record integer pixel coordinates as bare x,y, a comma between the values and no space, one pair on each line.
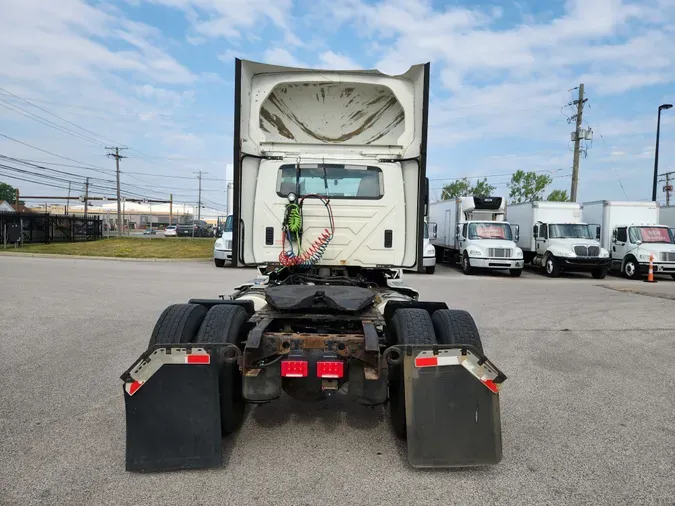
329,369
133,387
294,368
194,358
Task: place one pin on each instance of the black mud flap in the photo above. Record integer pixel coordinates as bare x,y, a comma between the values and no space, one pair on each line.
173,419
452,408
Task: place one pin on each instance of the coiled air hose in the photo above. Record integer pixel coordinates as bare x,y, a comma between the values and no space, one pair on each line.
292,226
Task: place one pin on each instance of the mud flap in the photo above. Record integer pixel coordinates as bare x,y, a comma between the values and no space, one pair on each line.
173,417
452,407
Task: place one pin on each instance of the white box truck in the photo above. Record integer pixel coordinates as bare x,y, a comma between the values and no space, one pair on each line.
632,233
471,231
667,216
554,237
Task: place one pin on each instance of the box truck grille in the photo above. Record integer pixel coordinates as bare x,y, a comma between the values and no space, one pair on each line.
668,256
587,251
500,253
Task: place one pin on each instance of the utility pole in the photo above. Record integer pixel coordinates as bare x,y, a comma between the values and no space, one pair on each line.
199,205
116,155
577,139
86,198
668,188
16,199
68,201
170,208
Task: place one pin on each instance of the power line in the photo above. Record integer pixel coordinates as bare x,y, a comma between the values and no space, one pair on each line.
85,166
57,116
46,122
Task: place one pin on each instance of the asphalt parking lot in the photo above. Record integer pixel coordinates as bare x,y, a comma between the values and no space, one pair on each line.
587,411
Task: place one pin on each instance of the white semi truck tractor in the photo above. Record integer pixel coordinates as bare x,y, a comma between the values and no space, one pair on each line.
633,234
329,205
554,237
472,232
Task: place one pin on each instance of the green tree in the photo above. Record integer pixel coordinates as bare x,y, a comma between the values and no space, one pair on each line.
8,193
527,186
464,188
558,196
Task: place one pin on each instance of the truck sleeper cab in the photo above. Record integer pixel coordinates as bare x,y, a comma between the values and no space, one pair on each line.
329,205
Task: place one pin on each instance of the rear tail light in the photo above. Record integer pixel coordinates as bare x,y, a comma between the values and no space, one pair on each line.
330,370
294,368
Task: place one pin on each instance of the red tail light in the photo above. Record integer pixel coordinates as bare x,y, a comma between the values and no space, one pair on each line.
294,368
330,369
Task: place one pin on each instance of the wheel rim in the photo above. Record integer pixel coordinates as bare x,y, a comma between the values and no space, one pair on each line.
549,266
630,269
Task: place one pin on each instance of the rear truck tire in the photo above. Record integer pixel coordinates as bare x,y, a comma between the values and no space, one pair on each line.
178,323
223,324
551,266
219,262
515,273
456,326
599,273
466,265
430,270
408,326
631,268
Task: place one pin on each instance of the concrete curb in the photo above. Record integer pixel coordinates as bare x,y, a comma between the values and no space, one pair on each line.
115,259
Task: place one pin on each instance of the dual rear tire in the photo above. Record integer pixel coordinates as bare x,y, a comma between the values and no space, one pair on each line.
416,326
223,323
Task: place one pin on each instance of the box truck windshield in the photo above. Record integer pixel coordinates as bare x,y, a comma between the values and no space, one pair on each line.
500,231
569,231
650,235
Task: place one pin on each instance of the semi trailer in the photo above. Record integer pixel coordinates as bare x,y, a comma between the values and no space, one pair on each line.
554,237
330,197
472,232
632,233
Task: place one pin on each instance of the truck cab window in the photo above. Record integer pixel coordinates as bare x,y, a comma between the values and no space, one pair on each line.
333,180
543,232
621,235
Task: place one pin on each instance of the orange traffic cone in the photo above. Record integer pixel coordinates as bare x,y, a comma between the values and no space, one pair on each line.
650,276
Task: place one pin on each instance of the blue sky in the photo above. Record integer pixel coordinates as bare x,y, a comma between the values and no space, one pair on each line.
157,76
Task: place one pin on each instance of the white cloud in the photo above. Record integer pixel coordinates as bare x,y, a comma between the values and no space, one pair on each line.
280,56
334,61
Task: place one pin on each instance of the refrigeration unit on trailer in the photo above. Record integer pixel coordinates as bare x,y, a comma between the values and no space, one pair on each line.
553,236
330,198
633,234
471,232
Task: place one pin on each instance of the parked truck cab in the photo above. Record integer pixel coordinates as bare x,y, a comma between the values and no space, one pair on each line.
632,233
429,257
471,231
554,237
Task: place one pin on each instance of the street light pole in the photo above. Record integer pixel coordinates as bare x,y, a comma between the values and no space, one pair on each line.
662,107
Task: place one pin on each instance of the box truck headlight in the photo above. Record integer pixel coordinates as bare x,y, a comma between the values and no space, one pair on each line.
475,253
645,256
519,253
604,252
566,254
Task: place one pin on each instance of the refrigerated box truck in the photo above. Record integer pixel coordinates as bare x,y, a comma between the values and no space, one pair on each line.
471,231
667,216
632,233
553,236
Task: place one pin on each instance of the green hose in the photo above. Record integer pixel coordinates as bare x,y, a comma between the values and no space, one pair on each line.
294,222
